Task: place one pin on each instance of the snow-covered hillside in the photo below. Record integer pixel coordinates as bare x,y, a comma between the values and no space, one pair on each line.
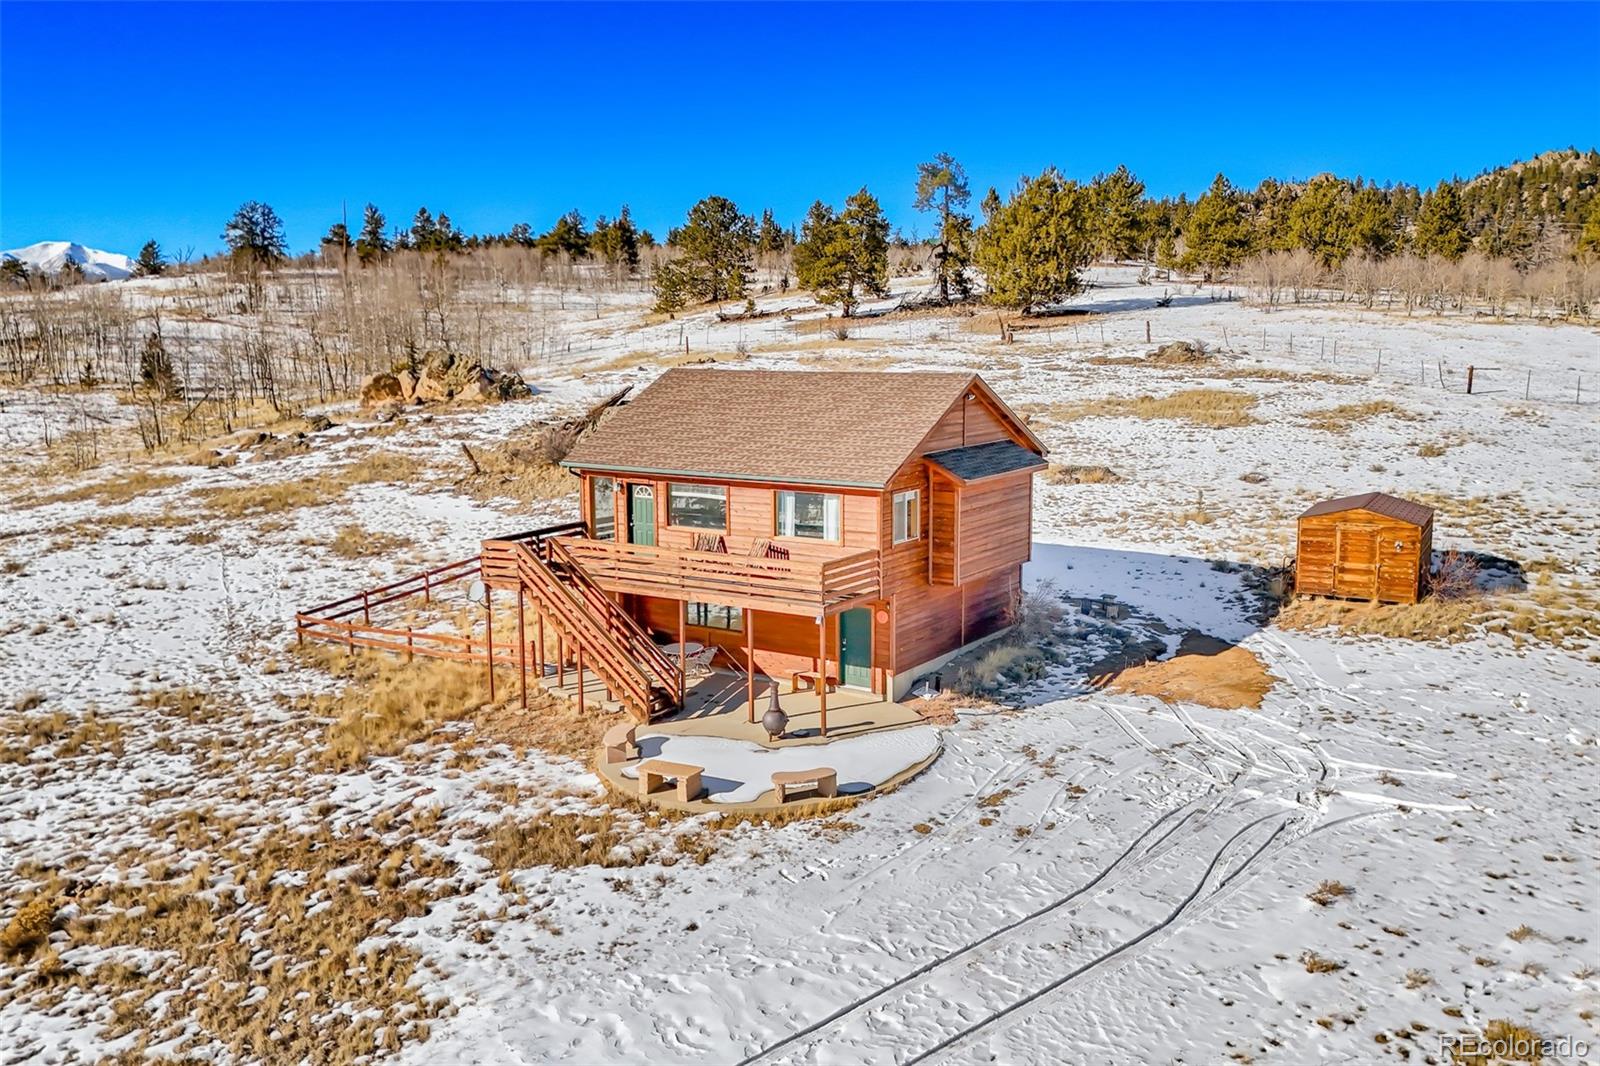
48,257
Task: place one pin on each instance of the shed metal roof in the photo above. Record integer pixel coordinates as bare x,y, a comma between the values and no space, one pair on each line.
978,461
1382,503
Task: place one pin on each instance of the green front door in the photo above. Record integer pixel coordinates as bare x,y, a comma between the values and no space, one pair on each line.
855,647
641,514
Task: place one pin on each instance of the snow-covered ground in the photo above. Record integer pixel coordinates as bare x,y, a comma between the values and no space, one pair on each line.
1089,878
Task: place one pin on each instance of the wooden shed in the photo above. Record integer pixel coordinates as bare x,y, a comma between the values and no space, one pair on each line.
1369,547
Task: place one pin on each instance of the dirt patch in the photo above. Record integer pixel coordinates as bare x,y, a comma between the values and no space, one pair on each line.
1207,671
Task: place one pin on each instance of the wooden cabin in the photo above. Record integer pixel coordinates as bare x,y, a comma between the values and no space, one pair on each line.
866,525
1370,547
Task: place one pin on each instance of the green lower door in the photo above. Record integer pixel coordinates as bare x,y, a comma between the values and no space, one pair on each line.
855,647
641,515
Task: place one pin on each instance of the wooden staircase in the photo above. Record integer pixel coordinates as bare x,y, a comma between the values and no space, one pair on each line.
606,638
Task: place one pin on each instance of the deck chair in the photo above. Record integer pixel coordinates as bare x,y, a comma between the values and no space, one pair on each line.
699,664
710,542
775,552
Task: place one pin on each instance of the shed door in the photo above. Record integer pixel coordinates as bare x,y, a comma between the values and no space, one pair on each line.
1355,570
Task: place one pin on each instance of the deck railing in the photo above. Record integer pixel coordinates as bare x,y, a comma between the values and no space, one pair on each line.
799,586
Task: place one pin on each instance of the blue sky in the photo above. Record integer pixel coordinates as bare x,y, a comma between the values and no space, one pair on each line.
121,122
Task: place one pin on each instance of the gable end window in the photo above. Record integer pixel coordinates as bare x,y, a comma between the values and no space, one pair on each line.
907,515
809,514
697,506
604,507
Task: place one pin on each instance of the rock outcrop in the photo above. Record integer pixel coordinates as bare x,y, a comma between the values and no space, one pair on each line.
441,377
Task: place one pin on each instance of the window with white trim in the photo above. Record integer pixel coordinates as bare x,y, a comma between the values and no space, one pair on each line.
604,508
907,515
809,514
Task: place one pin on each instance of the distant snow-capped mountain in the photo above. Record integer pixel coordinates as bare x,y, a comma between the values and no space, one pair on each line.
48,257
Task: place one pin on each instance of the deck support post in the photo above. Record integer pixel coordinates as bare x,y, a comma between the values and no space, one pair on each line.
750,663
581,707
488,635
683,638
522,645
538,649
561,661
822,672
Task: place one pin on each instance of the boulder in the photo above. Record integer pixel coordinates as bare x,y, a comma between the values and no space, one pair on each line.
318,423
380,389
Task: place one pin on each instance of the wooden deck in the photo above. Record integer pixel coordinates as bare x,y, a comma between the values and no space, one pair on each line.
799,586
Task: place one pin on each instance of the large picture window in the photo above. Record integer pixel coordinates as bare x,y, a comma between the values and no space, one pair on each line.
907,516
603,506
808,514
697,506
715,616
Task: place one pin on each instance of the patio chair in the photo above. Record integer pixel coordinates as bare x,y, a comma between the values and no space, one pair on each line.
710,542
699,664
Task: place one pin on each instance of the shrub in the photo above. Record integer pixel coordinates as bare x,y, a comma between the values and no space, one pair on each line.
29,928
1456,576
1324,894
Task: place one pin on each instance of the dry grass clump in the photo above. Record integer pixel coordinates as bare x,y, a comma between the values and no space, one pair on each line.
1431,620
355,541
523,472
29,929
117,490
645,357
247,500
565,841
389,704
553,723
1339,419
1502,1041
1315,963
270,935
1326,893
1073,474
1457,577
1214,408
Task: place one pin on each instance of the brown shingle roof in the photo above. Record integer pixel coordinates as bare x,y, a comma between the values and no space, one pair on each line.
814,427
1417,514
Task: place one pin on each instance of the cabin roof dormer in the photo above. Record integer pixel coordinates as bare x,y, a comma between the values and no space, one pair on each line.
847,429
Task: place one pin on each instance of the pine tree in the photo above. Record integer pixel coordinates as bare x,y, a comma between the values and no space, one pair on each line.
150,262
1588,246
13,271
1216,233
1441,228
371,245
521,234
1320,222
1373,228
424,231
337,239
842,257
1032,247
771,238
567,235
155,366
1118,200
822,257
616,241
255,237
942,188
714,246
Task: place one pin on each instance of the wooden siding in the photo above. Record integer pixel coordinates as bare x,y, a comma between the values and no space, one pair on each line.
944,531
995,528
1359,554
967,422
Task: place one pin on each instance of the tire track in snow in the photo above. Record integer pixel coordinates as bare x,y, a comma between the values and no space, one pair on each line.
1188,811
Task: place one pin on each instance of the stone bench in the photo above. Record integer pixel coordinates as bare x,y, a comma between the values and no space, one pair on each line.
653,773
621,743
824,780
812,679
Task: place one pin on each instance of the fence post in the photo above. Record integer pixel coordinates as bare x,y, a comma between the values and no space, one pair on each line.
427,590
1147,331
1527,388
488,635
1469,379
366,608
411,652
